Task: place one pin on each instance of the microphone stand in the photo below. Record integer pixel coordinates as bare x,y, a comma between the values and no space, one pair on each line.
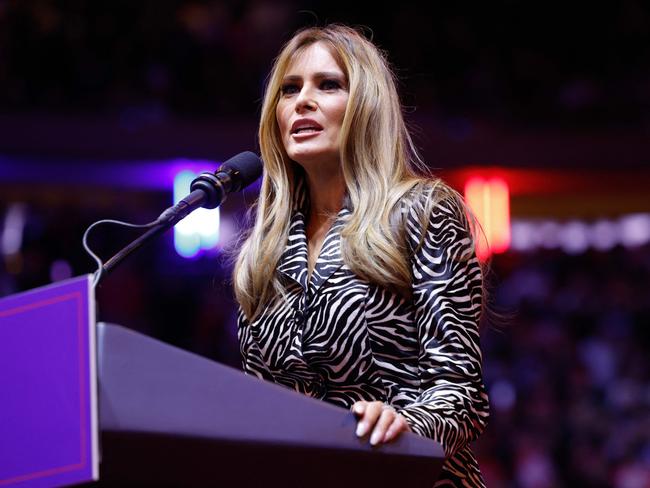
154,231
208,190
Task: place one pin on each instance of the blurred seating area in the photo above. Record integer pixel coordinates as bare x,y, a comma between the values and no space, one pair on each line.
510,62
567,370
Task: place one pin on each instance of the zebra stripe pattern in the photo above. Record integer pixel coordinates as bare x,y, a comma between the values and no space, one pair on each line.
341,339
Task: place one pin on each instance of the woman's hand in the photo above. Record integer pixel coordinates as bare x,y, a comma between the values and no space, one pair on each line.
380,419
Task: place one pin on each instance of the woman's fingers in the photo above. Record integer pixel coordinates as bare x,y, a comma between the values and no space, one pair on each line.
379,419
386,418
359,407
369,415
398,426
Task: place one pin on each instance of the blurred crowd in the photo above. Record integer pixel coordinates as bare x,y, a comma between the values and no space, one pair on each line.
565,349
568,62
567,369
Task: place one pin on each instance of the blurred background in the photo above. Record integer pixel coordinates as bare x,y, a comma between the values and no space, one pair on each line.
538,111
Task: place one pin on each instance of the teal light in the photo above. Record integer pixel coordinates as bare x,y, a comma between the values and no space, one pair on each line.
199,230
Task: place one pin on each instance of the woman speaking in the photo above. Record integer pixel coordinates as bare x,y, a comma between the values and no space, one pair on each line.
358,283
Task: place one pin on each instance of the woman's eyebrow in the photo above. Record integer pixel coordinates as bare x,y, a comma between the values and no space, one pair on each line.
318,75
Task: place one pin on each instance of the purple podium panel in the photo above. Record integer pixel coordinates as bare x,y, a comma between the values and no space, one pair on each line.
48,393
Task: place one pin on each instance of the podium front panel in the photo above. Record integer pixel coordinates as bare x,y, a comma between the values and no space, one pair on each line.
48,419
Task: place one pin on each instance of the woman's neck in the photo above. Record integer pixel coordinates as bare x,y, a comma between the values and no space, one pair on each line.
326,193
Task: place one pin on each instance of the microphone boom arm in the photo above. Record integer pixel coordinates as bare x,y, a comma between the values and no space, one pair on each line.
208,190
154,231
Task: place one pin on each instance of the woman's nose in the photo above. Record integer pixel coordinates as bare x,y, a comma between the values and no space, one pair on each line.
305,101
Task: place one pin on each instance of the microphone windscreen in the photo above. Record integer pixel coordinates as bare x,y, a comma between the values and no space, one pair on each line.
244,167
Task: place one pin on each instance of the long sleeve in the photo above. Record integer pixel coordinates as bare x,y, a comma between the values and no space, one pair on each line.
452,406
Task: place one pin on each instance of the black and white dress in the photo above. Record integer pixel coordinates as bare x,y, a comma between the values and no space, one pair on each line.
341,339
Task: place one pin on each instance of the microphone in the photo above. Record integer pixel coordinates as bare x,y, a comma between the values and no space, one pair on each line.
209,190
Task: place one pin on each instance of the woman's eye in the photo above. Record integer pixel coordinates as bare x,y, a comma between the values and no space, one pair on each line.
289,89
330,85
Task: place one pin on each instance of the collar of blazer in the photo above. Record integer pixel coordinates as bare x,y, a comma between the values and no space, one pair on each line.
293,263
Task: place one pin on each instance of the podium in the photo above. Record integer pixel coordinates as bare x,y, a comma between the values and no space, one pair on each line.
168,417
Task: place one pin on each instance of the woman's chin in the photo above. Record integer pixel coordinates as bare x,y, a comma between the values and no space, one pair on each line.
308,158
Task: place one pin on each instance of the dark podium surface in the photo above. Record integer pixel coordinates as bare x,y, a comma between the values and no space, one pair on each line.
171,418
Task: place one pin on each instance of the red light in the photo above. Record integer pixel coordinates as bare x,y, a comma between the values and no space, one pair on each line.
490,202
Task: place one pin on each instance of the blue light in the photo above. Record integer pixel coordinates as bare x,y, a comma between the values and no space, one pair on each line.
199,230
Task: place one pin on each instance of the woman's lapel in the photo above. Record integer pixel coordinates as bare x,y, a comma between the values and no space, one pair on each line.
329,259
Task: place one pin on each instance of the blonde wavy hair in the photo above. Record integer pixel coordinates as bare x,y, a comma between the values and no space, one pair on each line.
380,165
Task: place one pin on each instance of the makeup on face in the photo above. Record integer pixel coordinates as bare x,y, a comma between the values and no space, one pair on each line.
311,107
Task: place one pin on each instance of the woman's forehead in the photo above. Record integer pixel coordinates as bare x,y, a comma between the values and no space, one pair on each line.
318,56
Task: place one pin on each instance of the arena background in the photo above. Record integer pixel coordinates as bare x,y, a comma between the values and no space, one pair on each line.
102,102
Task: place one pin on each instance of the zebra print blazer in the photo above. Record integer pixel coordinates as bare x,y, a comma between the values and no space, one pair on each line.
339,338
